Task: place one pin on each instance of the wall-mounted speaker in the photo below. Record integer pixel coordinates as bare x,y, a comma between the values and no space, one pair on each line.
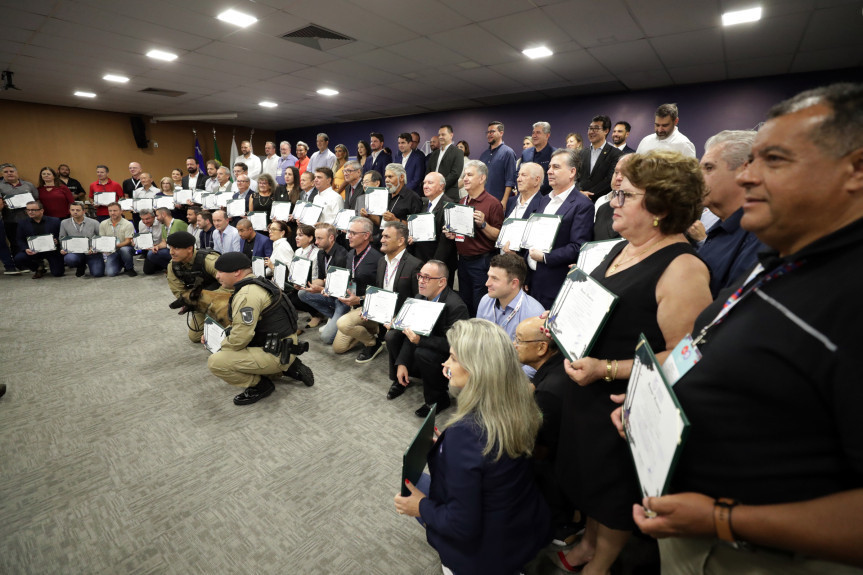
138,131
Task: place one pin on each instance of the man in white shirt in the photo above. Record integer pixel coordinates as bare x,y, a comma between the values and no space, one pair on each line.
286,160
225,237
529,180
223,180
667,136
323,158
212,183
240,168
270,165
147,189
149,224
326,197
253,162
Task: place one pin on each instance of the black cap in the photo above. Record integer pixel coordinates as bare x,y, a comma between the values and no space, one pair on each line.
181,240
233,262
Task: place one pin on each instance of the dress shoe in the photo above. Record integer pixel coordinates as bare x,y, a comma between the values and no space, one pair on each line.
314,322
370,352
2,389
79,271
38,273
12,272
396,389
300,371
256,392
425,408
131,273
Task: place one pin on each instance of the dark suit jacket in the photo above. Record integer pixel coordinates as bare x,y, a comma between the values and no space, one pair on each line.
351,200
602,229
406,277
416,171
378,165
311,195
626,150
454,309
477,506
25,230
451,167
598,180
575,229
200,185
263,247
532,205
442,249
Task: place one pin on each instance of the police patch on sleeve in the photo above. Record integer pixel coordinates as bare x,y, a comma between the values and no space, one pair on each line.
248,315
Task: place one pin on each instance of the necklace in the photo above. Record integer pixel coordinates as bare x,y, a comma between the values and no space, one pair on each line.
639,254
261,199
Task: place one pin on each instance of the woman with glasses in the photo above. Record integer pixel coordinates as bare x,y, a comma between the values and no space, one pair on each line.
262,200
662,286
166,190
482,511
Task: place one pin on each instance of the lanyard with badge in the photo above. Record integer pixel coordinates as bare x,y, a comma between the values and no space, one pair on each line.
686,354
511,315
354,265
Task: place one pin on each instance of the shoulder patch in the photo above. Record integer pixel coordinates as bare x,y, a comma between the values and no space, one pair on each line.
247,313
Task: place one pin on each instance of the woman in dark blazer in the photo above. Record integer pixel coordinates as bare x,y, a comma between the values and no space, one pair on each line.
481,508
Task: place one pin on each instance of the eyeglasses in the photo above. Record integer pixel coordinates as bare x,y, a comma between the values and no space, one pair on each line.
33,209
518,341
594,128
353,233
620,196
425,278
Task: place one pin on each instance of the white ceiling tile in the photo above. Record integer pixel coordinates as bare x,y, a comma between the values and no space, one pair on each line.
426,52
834,27
479,10
574,65
707,72
595,23
527,30
755,67
477,45
689,48
838,57
662,17
771,36
643,79
627,57
529,74
420,17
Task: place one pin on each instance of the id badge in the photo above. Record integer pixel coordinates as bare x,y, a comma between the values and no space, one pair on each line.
681,359
352,287
459,238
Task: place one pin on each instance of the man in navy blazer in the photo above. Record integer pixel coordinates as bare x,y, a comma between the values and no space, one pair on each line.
38,224
619,135
597,160
413,163
541,151
380,158
252,243
576,227
451,162
526,202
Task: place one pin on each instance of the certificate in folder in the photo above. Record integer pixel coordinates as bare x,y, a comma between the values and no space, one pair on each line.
75,244
511,233
104,198
300,269
416,455
578,314
421,227
104,244
379,304
259,268
655,424
280,272
418,315
214,335
183,196
258,221
280,211
591,254
337,282
143,241
377,200
39,244
541,232
127,204
459,219
18,201
343,219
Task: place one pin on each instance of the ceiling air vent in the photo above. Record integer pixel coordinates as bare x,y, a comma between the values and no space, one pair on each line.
318,37
162,92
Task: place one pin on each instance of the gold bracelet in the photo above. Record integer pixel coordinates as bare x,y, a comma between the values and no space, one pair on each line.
607,370
614,375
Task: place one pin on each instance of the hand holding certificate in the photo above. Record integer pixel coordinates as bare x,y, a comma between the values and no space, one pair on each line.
236,208
311,214
104,244
18,201
343,219
578,314
377,201
540,232
75,245
40,244
421,227
214,335
655,425
418,315
280,211
280,273
209,201
183,196
459,219
511,233
337,282
591,254
380,305
300,268
259,268
104,198
258,221
143,241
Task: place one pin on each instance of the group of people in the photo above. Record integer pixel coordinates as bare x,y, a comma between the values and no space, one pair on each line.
740,250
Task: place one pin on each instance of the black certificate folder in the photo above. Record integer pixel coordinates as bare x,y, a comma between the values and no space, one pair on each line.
414,459
656,427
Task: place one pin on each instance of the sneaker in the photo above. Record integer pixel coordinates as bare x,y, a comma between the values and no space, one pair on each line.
12,272
131,273
300,371
370,352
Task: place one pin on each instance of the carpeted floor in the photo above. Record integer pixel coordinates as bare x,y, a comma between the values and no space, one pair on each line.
120,453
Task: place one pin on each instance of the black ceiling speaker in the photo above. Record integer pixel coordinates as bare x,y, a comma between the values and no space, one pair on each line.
138,131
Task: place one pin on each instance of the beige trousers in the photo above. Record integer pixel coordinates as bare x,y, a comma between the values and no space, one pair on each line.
245,367
352,329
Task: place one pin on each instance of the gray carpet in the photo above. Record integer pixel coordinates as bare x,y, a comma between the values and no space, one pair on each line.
120,453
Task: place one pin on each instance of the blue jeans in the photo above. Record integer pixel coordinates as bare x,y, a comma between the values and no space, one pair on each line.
118,261
55,261
329,307
472,275
157,261
95,262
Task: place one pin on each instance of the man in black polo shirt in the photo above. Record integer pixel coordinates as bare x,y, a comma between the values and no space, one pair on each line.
774,455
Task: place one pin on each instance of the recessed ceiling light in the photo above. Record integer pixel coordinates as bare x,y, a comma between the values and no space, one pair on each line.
161,55
81,94
539,52
236,18
741,16
328,92
114,78
266,104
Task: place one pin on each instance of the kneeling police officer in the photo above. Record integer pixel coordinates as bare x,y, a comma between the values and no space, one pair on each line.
262,341
191,269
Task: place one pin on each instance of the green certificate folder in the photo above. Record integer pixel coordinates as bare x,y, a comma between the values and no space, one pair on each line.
579,312
414,459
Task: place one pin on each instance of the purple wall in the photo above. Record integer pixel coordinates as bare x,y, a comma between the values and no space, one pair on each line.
705,109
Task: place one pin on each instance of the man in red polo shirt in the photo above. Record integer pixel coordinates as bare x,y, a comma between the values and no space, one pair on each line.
104,184
474,253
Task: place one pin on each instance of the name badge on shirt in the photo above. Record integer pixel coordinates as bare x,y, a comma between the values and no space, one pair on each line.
459,237
352,287
681,359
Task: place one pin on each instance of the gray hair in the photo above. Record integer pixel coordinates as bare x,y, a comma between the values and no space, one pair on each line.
324,136
146,212
736,146
440,177
572,159
546,127
367,224
303,144
667,110
400,228
476,165
285,143
534,169
398,170
353,164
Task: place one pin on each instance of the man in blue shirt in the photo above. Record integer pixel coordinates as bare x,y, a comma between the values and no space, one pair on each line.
728,250
500,160
540,152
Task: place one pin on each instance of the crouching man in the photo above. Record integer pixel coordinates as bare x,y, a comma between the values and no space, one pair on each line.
262,340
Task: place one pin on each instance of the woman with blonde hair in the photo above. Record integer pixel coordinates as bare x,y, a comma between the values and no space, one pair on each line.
481,508
338,174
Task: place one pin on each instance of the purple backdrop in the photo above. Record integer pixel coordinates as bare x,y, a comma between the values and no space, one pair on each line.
704,110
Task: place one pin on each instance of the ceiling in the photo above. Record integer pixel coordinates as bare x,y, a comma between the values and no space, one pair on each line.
409,57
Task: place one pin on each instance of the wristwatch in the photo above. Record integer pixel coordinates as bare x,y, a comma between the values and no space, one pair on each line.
482,227
722,508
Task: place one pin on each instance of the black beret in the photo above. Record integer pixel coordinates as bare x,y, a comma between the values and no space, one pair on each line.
233,262
181,240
